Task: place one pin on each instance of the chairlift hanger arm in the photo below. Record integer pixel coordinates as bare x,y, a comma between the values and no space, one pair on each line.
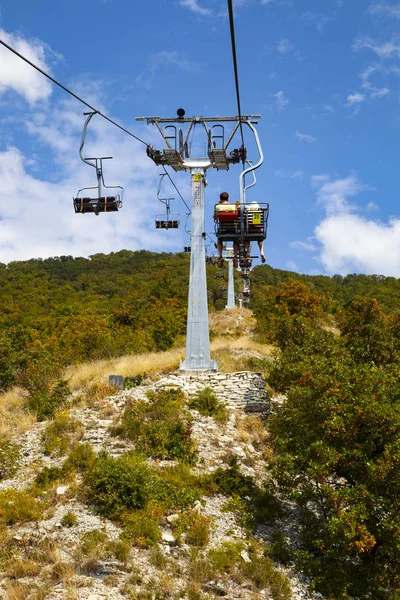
83,138
155,120
251,168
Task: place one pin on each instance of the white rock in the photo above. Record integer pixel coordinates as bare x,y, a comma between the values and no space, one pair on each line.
245,556
239,451
172,518
168,537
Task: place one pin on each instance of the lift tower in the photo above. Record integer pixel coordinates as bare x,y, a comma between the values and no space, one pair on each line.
231,284
176,154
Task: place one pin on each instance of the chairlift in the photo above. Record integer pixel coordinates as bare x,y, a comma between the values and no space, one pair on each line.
243,221
166,220
101,203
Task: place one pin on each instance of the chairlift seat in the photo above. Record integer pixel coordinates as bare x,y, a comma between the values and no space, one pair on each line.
97,205
231,215
163,224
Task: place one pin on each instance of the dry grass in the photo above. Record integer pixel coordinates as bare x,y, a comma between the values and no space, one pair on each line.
232,353
151,363
14,418
232,323
20,567
18,591
252,430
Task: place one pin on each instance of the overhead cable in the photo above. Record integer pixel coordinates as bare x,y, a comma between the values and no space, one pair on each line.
235,68
180,195
71,93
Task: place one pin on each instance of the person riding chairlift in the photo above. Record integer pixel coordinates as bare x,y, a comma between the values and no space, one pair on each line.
251,208
223,205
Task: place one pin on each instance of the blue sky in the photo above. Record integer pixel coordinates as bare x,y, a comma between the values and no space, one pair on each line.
323,74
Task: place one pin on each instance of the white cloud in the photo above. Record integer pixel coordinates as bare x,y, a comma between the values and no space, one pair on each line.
18,76
366,75
334,195
194,6
288,175
349,242
281,100
379,93
385,50
292,266
353,99
318,19
352,243
303,246
304,137
284,46
389,10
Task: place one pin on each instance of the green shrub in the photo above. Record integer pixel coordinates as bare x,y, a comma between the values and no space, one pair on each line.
135,381
262,572
195,526
59,434
231,482
142,529
279,548
49,475
20,506
225,558
44,402
157,427
117,486
208,405
69,520
81,457
10,455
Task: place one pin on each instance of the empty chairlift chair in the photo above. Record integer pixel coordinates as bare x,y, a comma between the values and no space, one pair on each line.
100,203
167,220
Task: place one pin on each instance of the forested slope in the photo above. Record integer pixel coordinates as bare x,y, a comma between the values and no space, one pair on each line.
67,310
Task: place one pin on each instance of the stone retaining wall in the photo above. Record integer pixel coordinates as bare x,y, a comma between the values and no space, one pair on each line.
243,390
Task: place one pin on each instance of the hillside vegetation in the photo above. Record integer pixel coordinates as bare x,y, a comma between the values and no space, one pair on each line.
327,462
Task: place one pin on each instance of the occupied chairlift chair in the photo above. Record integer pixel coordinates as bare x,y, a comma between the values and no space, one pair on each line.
100,203
243,222
164,220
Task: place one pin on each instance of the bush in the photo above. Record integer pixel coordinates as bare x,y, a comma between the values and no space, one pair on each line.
10,456
20,506
119,486
81,457
45,401
69,520
231,482
59,434
279,548
208,405
49,475
95,546
227,560
195,526
157,427
135,381
142,529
